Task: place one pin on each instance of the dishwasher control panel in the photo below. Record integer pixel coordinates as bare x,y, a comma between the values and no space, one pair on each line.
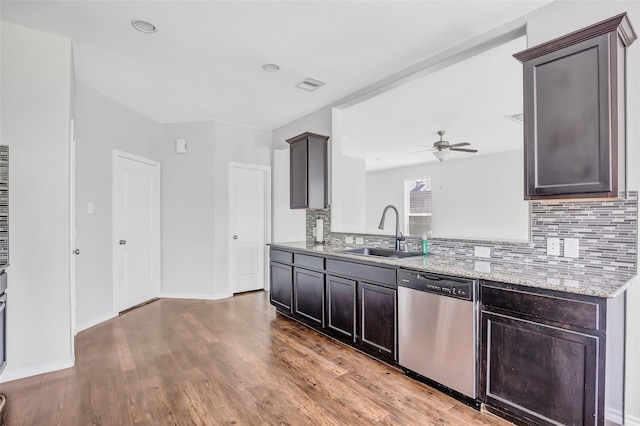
460,288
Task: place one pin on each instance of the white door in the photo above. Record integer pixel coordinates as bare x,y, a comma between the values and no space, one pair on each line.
249,207
136,230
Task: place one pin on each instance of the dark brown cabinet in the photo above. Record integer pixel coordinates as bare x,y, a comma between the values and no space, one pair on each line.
281,294
544,355
377,319
341,307
309,295
308,177
574,113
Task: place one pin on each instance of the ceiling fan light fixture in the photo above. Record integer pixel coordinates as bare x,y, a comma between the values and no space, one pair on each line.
441,155
143,26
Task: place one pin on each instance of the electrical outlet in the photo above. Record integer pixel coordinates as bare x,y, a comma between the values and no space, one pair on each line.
313,231
482,252
359,241
572,247
553,246
348,240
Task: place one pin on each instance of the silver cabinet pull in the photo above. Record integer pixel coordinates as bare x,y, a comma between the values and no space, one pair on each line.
235,237
123,242
76,251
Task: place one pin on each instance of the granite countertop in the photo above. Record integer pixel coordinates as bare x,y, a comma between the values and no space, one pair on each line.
578,280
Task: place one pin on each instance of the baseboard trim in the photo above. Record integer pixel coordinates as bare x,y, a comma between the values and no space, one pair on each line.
195,296
613,417
10,375
632,420
95,321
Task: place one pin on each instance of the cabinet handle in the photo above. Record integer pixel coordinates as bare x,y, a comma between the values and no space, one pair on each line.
76,251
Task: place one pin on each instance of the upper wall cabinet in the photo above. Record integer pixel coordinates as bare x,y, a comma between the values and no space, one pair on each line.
308,171
574,113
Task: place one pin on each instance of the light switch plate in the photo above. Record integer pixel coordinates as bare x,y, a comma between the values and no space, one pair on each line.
359,240
313,231
553,246
90,208
348,240
482,252
572,247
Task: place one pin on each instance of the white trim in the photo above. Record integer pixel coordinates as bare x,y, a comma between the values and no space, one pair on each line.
95,321
10,375
72,232
114,227
267,219
613,417
632,420
196,296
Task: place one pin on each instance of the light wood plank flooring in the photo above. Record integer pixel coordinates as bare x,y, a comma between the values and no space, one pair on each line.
225,362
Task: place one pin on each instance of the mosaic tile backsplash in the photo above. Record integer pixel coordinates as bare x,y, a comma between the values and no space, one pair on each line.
607,230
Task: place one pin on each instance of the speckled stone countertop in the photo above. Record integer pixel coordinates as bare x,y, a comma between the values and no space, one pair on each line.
586,281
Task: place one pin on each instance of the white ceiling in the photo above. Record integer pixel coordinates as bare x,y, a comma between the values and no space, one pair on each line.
469,100
204,63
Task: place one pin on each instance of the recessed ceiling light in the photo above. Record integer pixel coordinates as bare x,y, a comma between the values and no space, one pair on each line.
270,67
310,84
143,26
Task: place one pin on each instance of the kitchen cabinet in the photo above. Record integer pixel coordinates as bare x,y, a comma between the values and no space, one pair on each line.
377,319
308,171
341,307
281,273
544,355
354,302
309,295
574,113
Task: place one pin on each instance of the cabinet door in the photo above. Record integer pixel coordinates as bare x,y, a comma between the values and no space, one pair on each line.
341,306
298,174
568,147
378,318
538,372
309,295
281,286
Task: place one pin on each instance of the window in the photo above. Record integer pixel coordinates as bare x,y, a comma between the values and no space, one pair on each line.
417,206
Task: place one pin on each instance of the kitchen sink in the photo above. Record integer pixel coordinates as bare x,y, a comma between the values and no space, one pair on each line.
380,252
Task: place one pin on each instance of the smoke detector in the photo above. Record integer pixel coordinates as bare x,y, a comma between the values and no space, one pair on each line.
310,84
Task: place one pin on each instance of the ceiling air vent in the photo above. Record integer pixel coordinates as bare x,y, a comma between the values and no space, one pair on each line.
310,84
518,118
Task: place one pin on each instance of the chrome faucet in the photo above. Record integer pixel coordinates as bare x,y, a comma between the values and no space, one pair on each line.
399,236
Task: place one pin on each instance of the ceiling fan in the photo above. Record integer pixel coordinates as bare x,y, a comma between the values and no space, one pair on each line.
442,148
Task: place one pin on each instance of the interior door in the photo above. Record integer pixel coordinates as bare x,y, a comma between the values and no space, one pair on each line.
248,214
137,230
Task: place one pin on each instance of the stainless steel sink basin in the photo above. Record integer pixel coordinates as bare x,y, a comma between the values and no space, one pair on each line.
380,252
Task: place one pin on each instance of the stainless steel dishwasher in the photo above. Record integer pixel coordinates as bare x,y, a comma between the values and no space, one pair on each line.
437,335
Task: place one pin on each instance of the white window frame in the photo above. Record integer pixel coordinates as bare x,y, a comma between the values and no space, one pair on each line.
407,202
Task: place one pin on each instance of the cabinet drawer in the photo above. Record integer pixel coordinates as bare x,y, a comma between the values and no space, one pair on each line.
281,256
308,261
363,272
557,309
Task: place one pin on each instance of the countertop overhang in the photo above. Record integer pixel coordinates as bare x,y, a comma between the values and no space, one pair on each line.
560,277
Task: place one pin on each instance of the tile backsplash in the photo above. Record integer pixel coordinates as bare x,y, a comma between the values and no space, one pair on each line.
606,230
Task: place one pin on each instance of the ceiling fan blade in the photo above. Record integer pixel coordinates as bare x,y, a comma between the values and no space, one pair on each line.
460,144
464,149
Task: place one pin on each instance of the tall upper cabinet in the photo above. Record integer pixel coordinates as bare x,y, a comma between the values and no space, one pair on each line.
308,171
574,113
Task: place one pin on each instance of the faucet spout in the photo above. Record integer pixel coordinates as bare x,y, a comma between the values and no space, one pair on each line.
381,225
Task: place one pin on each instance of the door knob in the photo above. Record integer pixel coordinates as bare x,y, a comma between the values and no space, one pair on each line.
76,251
235,237
123,242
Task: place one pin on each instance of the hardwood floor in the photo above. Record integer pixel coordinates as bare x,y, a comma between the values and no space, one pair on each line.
225,362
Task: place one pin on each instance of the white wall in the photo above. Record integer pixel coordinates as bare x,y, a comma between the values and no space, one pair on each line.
101,125
289,225
188,211
479,197
35,111
559,18
239,144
